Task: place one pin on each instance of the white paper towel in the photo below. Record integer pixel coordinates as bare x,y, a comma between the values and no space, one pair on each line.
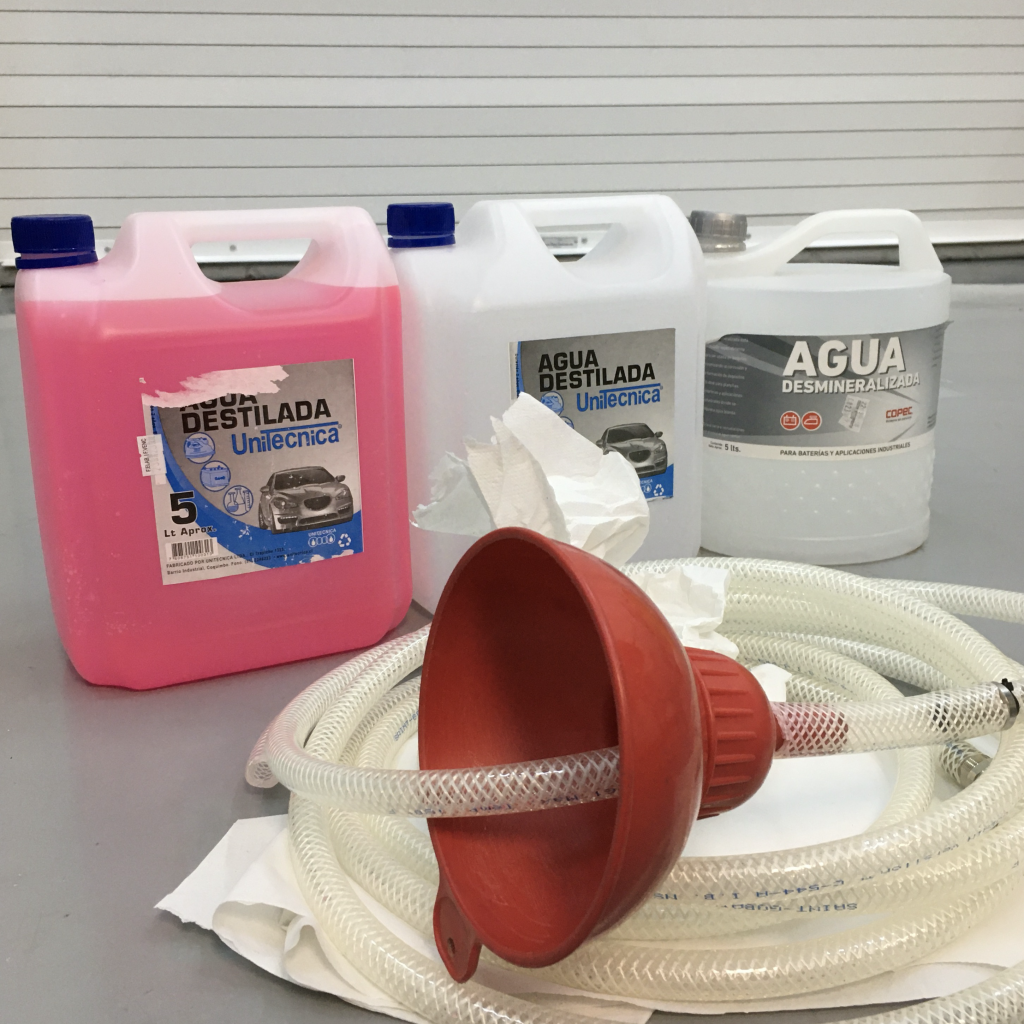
692,598
537,472
245,891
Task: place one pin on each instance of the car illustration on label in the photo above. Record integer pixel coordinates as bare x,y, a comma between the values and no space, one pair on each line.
303,498
644,449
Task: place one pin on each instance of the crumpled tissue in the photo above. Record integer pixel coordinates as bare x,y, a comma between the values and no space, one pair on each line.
692,598
539,473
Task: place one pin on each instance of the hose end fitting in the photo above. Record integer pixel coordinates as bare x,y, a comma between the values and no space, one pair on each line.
258,772
962,762
1006,691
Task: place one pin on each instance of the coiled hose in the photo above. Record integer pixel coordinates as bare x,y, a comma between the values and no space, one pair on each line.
909,885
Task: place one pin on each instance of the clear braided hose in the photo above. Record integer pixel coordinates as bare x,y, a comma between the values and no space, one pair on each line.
354,697
909,885
927,720
338,704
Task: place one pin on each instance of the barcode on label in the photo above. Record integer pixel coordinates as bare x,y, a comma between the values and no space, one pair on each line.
191,548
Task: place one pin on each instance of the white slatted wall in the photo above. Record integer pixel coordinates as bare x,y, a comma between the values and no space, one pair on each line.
111,106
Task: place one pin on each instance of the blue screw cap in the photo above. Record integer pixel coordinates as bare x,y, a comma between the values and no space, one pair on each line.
420,225
53,240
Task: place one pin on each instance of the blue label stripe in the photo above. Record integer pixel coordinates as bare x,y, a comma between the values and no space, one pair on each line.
659,486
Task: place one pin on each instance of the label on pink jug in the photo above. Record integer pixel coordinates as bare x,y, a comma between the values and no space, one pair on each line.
254,469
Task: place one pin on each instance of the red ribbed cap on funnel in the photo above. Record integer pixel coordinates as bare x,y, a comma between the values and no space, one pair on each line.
537,650
738,730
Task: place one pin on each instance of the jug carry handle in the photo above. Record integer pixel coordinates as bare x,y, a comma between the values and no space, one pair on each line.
582,212
915,248
641,242
345,247
640,217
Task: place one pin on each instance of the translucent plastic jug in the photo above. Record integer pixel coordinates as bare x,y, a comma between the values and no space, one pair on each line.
611,342
821,395
219,468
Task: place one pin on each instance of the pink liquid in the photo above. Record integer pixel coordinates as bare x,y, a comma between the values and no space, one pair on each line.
82,363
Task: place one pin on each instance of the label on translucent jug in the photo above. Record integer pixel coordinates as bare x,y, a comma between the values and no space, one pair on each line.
259,470
845,397
615,389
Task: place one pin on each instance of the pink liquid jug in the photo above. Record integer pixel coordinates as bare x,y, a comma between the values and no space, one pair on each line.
219,468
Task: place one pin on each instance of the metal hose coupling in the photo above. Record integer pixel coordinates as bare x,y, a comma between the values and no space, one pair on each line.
962,762
1007,690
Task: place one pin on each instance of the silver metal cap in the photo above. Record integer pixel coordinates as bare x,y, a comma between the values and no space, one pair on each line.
719,232
963,762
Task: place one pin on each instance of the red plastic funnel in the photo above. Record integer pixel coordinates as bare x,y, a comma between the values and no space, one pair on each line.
539,649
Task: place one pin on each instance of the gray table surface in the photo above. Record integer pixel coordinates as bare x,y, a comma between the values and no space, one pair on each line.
108,798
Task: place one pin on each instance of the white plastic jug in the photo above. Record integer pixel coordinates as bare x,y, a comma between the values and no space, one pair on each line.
821,392
612,342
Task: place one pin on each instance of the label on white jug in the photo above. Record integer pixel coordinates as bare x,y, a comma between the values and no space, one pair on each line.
616,390
841,397
254,469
